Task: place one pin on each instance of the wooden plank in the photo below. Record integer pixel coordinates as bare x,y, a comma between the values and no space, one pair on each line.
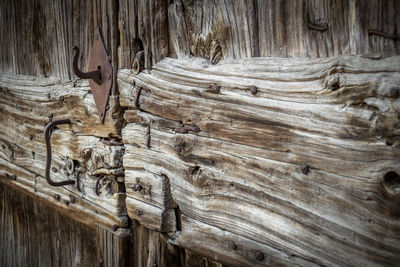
28,104
245,171
241,29
41,34
38,234
224,246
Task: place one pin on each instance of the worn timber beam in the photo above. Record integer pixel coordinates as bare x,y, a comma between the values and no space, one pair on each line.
28,104
268,160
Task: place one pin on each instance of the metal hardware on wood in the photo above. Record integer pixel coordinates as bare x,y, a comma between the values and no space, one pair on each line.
104,163
111,142
253,90
215,88
96,188
78,181
138,62
180,130
139,91
304,169
94,75
259,256
192,128
136,187
12,177
99,73
384,34
70,166
57,197
318,27
47,136
148,136
146,191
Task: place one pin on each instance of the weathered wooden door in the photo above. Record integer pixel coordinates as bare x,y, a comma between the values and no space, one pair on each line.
237,133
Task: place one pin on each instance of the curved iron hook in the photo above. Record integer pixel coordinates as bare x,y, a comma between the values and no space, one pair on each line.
94,75
47,135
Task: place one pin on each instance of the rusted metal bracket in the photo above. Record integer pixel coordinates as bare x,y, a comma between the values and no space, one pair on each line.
99,73
47,136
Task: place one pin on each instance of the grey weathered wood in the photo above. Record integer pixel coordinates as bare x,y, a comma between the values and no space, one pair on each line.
37,36
241,172
243,29
33,233
237,181
26,105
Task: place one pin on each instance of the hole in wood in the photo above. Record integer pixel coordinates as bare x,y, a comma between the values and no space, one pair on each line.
391,182
195,170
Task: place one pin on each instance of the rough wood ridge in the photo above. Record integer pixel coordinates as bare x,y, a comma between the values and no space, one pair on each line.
28,104
250,132
309,162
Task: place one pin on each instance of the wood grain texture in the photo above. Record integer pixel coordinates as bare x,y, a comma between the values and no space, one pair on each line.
28,104
305,171
153,249
37,36
241,172
244,29
33,233
143,27
209,29
281,28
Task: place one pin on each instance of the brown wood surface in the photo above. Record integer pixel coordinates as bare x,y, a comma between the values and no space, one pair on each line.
243,29
303,172
32,233
37,36
240,172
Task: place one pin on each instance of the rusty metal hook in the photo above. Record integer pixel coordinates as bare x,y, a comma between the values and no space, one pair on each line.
47,135
94,75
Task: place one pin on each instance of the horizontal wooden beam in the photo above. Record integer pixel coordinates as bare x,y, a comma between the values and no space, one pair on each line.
293,154
28,104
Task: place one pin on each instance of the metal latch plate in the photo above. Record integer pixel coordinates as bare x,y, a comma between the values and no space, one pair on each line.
99,59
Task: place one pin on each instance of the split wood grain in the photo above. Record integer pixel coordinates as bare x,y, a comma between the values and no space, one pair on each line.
28,104
218,30
37,234
242,173
37,37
